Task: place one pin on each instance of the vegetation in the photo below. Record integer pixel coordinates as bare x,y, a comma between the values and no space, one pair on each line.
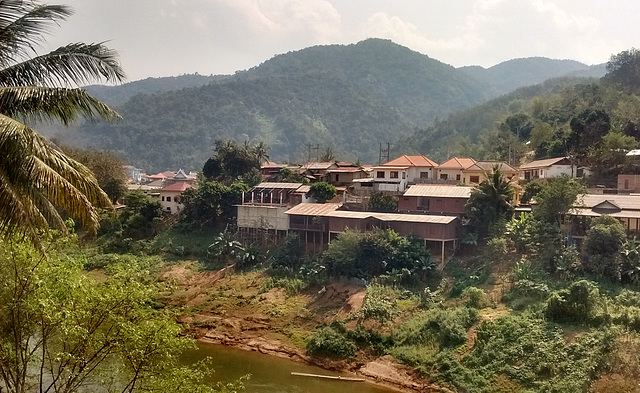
379,202
322,192
490,202
35,87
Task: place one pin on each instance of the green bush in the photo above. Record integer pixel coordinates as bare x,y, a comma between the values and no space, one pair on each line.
379,303
575,304
326,341
291,286
446,327
474,297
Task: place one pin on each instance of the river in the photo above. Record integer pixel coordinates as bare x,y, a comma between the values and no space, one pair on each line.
270,374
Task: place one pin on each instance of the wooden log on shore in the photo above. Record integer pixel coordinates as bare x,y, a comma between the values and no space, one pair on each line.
337,378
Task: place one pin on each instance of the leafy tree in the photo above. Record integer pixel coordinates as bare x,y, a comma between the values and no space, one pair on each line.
107,167
210,201
608,159
490,202
36,178
519,124
587,130
603,245
66,332
556,197
531,189
232,162
379,202
288,176
322,192
624,69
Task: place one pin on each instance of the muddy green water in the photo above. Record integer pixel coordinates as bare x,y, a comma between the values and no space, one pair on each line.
270,374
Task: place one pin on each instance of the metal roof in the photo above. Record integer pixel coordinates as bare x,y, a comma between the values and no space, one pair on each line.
396,217
487,166
276,185
426,190
624,202
313,209
542,163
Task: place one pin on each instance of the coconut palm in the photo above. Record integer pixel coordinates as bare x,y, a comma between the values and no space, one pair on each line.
37,181
490,201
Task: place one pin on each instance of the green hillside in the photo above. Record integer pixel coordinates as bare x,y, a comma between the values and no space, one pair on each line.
349,98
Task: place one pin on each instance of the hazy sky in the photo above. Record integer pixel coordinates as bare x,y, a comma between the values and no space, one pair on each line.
173,37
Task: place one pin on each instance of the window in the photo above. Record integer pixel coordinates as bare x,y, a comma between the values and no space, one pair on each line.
380,174
404,175
168,199
444,176
424,175
162,199
393,174
474,179
626,184
458,177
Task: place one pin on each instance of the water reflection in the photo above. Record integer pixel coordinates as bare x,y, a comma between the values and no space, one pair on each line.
271,374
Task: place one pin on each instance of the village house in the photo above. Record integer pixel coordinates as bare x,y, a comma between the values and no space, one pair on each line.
628,184
551,167
625,208
452,171
479,171
170,196
261,215
396,175
434,199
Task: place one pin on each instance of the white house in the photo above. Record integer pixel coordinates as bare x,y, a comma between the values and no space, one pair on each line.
397,174
551,167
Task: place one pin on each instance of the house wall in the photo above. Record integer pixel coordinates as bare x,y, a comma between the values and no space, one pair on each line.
434,204
263,217
557,170
414,173
452,174
629,183
169,203
427,231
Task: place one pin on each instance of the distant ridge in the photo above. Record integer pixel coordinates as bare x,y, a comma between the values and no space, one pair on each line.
349,98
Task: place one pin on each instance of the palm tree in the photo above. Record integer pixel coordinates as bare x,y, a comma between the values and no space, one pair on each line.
37,180
490,201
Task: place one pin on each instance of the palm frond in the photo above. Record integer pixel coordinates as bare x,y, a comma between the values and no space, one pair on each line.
36,103
22,24
71,65
32,170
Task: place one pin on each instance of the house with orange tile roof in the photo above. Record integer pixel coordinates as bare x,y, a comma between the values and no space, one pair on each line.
451,171
479,171
170,196
396,175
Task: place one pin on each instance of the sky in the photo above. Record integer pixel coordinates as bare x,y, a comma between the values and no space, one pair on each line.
157,38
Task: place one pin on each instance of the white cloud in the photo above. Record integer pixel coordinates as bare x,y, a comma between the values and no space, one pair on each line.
562,18
406,33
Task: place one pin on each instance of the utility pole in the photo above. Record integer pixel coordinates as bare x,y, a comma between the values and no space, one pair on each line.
384,154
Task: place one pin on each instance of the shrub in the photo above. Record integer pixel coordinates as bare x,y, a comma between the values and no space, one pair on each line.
379,304
446,327
326,341
574,304
474,297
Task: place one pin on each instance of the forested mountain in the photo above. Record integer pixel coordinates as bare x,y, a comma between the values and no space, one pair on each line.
118,95
349,98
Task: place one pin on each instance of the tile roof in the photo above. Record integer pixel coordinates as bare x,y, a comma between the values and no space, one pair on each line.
414,161
457,163
542,163
313,209
179,186
426,190
487,166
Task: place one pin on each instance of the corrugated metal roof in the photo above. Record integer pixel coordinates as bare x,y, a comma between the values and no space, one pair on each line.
313,209
426,190
396,217
591,213
625,202
542,163
276,185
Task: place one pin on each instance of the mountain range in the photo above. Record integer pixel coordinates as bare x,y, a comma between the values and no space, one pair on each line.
345,98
